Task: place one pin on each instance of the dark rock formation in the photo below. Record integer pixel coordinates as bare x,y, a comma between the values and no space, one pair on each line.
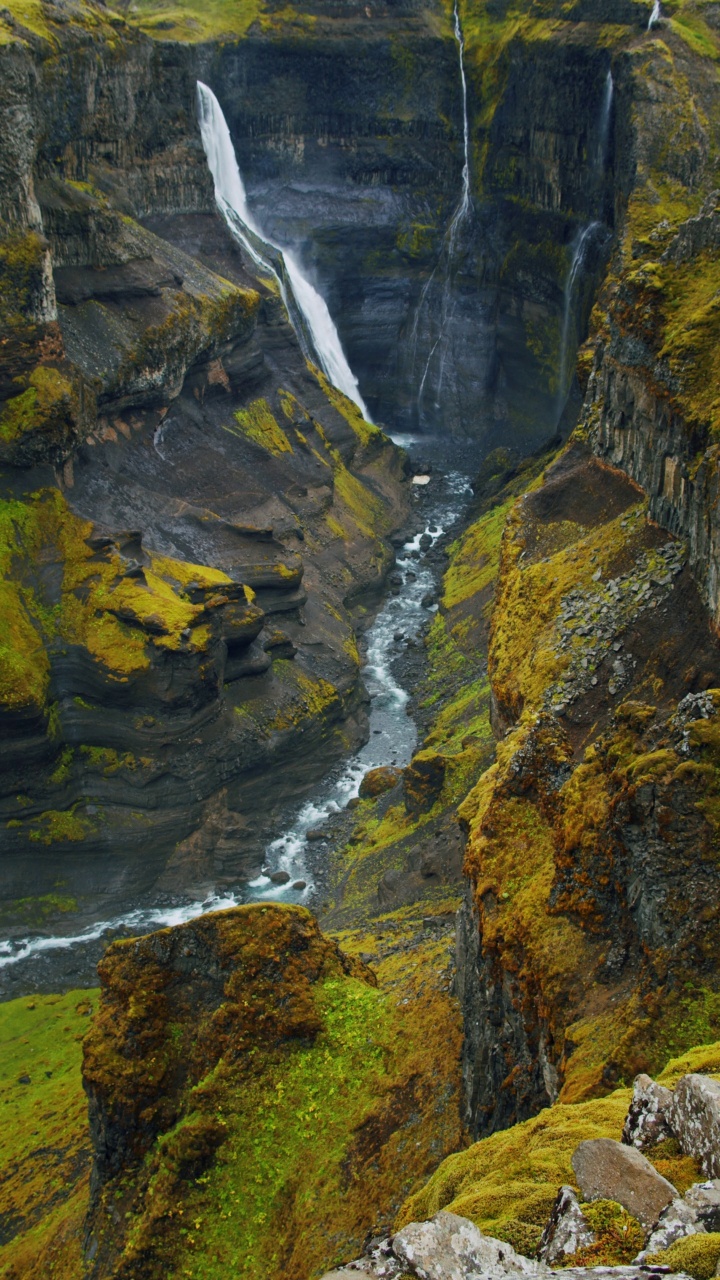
189,512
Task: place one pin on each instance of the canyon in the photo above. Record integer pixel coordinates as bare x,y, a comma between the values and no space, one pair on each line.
358,623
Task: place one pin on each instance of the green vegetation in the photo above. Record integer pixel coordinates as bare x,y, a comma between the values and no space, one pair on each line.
36,911
46,400
698,1256
310,1096
119,621
44,1141
258,423
507,1183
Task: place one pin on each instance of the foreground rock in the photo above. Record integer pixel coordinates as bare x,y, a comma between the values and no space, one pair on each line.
648,1120
607,1170
695,1120
568,1229
448,1247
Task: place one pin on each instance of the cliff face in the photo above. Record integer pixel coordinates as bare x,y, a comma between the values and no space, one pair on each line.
584,952
650,406
257,1102
188,511
349,132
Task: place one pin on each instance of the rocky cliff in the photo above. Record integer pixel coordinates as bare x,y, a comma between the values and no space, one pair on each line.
188,510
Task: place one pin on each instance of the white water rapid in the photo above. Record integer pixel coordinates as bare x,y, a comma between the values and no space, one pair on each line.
449,246
576,264
655,16
232,202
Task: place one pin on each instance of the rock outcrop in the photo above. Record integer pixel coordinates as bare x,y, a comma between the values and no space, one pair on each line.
607,1170
239,1068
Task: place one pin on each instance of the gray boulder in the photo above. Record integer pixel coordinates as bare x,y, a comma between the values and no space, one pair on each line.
695,1119
704,1198
677,1220
648,1120
568,1229
452,1248
608,1170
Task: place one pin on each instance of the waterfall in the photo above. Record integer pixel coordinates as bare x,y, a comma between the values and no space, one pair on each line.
447,253
605,116
655,16
576,265
307,309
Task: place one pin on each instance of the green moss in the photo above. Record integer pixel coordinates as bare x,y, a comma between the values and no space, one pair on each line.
508,1182
364,430
63,769
257,422
44,1141
619,1236
309,1100
60,826
474,558
48,398
698,1256
36,911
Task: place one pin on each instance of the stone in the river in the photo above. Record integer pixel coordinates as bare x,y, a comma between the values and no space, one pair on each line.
377,781
452,1248
648,1120
568,1229
300,884
425,542
315,833
280,877
695,1119
607,1170
428,600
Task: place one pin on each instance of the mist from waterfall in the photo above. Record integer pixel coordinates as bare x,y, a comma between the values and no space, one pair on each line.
577,263
298,294
449,246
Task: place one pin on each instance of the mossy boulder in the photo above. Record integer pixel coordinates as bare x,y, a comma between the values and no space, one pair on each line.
377,781
696,1255
423,781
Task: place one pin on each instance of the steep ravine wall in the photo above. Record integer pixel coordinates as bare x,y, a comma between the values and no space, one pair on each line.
188,510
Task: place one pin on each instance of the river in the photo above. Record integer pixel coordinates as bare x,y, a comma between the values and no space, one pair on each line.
56,960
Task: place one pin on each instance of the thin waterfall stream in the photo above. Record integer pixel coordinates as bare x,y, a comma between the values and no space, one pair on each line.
577,263
449,245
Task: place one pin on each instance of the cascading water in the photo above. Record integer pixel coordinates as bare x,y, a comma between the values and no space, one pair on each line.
576,265
314,324
605,118
655,16
449,247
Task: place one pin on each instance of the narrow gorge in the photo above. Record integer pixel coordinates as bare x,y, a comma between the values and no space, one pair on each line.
359,660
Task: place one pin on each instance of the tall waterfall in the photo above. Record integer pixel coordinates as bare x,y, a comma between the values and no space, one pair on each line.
655,16
449,246
576,265
313,324
605,117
